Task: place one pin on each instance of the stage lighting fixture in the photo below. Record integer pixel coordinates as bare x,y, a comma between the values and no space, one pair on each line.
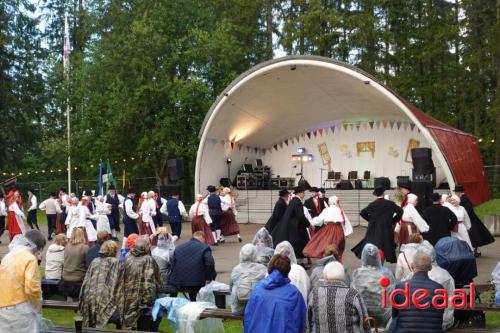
229,161
301,150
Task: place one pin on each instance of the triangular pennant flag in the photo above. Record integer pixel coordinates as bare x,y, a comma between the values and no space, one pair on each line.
263,152
297,138
320,131
315,133
303,135
232,145
358,125
418,130
248,148
275,147
309,135
384,123
398,125
371,124
281,145
405,126
286,142
239,147
351,126
391,123
256,150
412,126
332,129
345,126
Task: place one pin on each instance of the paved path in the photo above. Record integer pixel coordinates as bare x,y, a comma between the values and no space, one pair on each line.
227,255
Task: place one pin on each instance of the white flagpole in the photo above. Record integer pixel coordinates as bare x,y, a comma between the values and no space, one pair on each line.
66,51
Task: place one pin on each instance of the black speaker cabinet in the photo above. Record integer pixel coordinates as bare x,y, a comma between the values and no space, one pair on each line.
175,169
382,182
167,191
422,160
225,182
422,189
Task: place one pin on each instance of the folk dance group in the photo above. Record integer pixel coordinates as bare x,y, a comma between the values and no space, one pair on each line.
318,222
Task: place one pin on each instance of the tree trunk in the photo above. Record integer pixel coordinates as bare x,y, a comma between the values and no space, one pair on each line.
497,128
161,171
269,28
301,28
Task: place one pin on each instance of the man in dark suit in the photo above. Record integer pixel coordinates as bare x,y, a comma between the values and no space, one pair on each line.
381,215
314,204
441,220
279,210
478,233
411,319
294,224
192,265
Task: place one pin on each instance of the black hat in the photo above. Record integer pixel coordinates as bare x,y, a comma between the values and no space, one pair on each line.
322,190
313,189
112,187
459,188
211,188
378,191
52,194
87,193
298,189
1,195
130,191
282,193
435,197
62,189
406,185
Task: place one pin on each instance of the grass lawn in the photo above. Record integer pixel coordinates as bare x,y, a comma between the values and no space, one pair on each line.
65,318
489,207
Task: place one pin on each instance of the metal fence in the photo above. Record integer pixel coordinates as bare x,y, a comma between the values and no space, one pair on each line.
493,175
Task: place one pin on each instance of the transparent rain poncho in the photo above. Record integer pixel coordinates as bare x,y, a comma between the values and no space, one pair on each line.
442,277
366,280
245,277
298,275
162,254
22,317
263,242
495,278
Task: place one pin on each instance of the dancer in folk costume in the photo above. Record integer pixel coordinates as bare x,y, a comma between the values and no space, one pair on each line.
103,210
175,211
279,210
3,214
147,211
60,227
200,219
478,233
32,209
314,204
336,227
411,221
72,216
113,199
129,214
463,219
15,215
215,210
229,225
86,218
405,190
51,208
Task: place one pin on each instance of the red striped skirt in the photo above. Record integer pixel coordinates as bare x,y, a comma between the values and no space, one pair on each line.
199,224
145,229
229,225
331,233
404,235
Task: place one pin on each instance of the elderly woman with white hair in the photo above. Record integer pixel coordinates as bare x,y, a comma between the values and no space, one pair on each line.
334,306
411,222
200,219
464,224
298,275
229,225
245,277
337,227
263,242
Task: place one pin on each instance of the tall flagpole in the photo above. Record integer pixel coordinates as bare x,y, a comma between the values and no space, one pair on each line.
66,51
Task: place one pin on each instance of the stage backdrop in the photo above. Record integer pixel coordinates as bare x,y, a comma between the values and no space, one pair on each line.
381,147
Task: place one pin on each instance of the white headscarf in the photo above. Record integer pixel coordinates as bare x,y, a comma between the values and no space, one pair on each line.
412,198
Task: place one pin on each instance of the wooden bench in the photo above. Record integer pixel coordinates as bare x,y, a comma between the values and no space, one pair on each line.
219,313
474,330
61,305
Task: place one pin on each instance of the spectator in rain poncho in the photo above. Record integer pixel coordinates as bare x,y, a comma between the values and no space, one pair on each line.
163,253
442,277
329,255
298,275
244,278
101,296
263,242
21,293
334,307
495,278
366,280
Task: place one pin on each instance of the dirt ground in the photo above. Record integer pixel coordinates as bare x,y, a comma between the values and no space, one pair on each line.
227,255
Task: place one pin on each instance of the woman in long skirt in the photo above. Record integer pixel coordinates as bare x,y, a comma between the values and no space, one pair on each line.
411,222
200,219
229,225
464,224
336,227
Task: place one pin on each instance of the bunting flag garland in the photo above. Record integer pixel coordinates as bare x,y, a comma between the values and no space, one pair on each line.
398,125
405,126
320,132
345,126
412,126
351,126
281,144
391,123
377,123
276,147
384,123
315,133
286,142
309,135
232,145
332,129
371,124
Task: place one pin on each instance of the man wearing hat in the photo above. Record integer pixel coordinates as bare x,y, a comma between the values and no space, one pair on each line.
322,197
175,211
314,204
33,205
294,224
3,214
279,210
90,205
130,214
113,218
405,189
381,215
215,211
441,220
478,233
51,208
